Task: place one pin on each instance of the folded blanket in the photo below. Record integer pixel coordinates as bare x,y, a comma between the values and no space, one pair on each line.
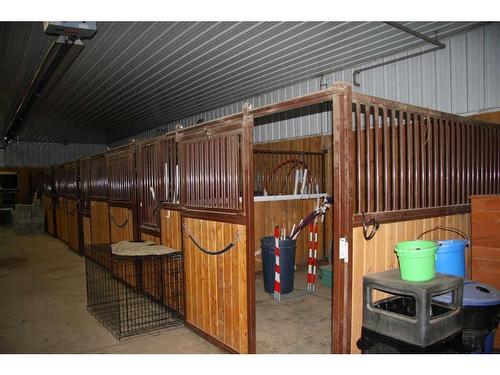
127,248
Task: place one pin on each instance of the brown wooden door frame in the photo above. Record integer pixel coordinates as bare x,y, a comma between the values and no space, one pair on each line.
343,183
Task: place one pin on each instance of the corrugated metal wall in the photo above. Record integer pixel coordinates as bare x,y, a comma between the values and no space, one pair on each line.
39,154
463,78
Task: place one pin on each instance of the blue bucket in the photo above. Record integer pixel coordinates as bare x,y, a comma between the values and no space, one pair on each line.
450,257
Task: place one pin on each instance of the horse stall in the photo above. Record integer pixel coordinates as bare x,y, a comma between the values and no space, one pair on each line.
71,207
120,167
98,198
413,172
289,183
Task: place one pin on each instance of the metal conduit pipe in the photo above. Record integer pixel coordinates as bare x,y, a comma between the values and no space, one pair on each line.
438,45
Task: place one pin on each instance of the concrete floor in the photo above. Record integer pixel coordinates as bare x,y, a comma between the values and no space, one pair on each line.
43,305
299,323
43,309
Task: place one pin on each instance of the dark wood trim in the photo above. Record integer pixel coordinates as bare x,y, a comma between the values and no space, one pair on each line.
122,204
415,214
294,103
98,199
373,100
156,232
212,340
343,172
248,203
215,216
170,206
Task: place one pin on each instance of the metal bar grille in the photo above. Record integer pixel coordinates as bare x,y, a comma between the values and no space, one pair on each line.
421,159
120,167
212,172
134,295
98,177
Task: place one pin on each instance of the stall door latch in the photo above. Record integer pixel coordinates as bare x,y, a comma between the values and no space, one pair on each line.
344,249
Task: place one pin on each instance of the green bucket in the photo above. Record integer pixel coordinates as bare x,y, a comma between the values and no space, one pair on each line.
326,275
417,260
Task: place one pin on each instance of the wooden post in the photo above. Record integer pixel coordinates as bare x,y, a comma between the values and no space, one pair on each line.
343,183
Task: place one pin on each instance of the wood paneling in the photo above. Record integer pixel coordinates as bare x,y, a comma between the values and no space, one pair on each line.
171,229
306,144
216,285
87,231
63,218
148,237
73,228
287,213
378,254
121,222
485,233
99,219
49,214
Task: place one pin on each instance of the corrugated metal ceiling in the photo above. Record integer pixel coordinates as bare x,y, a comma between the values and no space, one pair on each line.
133,76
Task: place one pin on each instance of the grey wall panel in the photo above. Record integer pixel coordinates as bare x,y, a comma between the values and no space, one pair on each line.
492,65
458,65
463,78
475,69
39,154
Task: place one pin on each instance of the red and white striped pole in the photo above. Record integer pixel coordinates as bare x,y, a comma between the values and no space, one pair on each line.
309,259
277,271
315,254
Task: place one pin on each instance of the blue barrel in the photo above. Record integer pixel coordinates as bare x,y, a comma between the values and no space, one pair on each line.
450,257
287,263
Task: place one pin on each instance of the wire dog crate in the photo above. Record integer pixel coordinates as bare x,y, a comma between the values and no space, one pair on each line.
131,295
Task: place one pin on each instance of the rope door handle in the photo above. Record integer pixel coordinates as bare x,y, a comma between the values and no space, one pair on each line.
216,252
440,227
118,225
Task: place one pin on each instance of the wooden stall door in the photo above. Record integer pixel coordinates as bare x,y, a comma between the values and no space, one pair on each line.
217,210
73,228
99,222
171,229
63,219
121,224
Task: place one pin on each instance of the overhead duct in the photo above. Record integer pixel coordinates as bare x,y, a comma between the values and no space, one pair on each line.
56,62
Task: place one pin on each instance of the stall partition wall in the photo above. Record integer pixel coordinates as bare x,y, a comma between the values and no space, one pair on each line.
99,208
70,211
217,216
415,169
120,165
84,169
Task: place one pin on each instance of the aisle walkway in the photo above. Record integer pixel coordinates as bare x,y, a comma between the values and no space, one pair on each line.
43,305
